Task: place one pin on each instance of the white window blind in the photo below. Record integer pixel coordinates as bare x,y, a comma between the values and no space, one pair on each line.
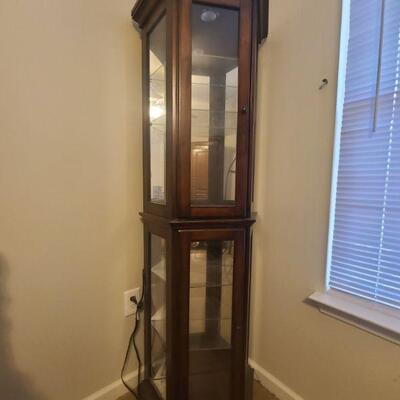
364,248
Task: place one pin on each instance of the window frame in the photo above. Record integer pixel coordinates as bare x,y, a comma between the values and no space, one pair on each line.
376,318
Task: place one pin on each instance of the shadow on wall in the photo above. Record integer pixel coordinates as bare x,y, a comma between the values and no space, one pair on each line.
13,384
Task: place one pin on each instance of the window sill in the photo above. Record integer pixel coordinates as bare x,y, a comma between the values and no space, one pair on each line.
375,318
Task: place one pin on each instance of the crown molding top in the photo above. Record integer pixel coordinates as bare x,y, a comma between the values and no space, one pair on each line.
263,20
143,9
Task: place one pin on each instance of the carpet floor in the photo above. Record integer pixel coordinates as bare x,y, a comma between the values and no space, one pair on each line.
260,393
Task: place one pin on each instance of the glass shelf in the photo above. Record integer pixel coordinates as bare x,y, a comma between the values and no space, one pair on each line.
194,110
199,340
210,303
213,57
204,84
215,119
200,134
201,94
214,111
201,97
211,277
204,116
210,285
212,272
160,127
208,64
159,320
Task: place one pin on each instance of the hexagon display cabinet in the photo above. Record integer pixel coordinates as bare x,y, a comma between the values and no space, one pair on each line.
199,69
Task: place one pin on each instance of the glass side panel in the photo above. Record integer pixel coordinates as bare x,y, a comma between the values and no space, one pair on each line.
158,314
215,38
210,319
157,111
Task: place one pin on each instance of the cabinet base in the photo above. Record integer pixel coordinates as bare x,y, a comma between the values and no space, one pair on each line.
146,390
249,383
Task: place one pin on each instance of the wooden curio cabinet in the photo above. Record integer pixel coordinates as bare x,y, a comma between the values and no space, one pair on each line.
199,67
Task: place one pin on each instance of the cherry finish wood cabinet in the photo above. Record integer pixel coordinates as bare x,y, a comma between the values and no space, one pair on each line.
199,69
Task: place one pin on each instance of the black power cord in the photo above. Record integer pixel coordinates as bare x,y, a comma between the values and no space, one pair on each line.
132,342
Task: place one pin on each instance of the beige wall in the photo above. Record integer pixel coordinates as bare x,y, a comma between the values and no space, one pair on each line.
70,191
317,356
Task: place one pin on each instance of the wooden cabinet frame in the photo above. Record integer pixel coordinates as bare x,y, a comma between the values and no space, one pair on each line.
244,110
239,303
178,221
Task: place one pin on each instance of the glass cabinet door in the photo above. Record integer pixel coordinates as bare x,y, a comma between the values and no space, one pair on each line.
210,319
214,108
215,66
157,334
215,283
157,111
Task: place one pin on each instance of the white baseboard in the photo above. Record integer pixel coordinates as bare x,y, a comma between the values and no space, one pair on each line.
269,381
115,389
273,384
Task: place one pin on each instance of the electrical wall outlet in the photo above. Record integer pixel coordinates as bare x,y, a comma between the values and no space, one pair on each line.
129,306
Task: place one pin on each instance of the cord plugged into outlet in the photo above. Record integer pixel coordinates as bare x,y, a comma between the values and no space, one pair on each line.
131,301
138,303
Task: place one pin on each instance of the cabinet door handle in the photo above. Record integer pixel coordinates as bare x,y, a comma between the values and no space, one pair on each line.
244,109
238,328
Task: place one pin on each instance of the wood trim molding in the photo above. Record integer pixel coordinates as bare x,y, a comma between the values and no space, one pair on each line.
142,10
272,383
263,20
113,390
221,3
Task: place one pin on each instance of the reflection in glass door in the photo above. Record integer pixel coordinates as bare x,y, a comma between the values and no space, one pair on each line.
158,314
210,319
215,61
157,111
